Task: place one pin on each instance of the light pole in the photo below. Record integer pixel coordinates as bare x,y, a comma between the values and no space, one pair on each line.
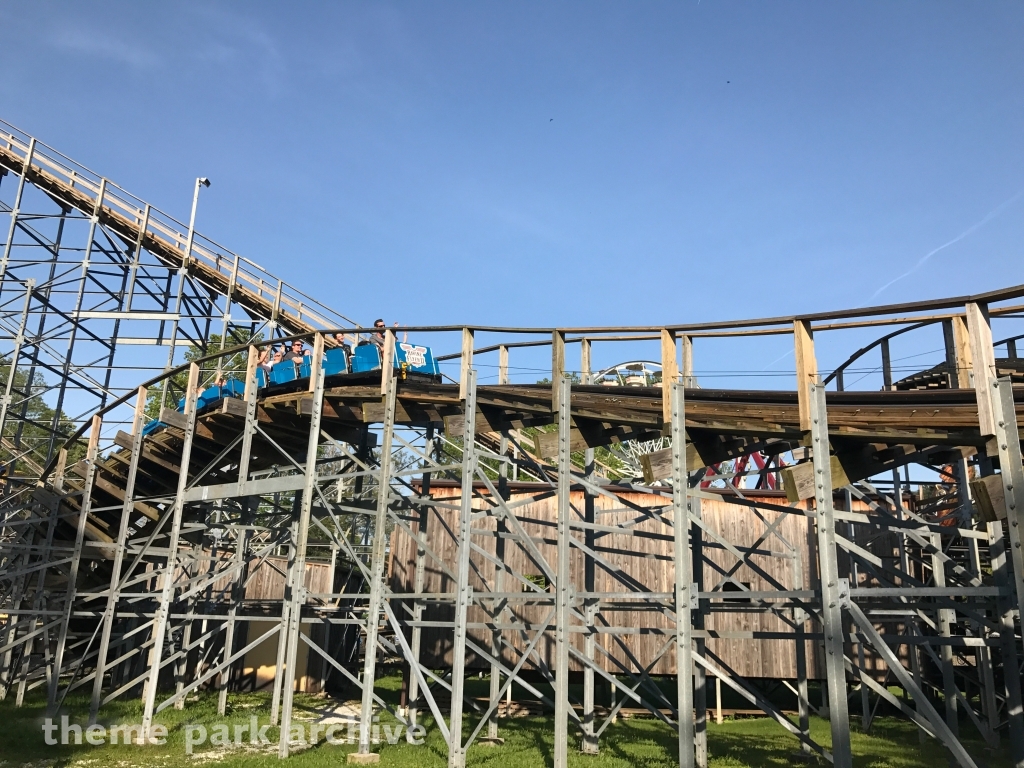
202,181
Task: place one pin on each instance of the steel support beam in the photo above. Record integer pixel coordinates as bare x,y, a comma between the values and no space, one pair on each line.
377,562
683,571
832,589
463,589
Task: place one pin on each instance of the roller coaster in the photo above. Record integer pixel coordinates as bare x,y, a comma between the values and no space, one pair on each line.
140,502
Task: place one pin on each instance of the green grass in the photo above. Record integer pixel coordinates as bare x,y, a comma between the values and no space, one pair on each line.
646,742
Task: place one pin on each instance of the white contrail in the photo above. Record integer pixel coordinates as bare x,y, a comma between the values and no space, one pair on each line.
924,259
778,359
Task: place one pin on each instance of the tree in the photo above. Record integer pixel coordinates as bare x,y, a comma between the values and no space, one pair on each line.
31,424
230,365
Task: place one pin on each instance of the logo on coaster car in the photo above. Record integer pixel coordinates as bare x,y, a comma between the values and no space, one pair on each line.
415,356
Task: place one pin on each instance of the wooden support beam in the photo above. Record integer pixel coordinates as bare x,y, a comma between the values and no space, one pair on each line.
118,493
703,452
172,418
806,369
124,440
586,433
657,465
983,365
989,498
466,361
502,365
962,347
688,378
798,481
669,373
545,444
387,365
177,420
557,368
318,354
585,371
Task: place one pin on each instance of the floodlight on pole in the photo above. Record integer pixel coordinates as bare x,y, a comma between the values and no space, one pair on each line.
202,181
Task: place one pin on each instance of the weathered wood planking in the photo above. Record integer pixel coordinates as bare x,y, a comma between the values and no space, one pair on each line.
645,559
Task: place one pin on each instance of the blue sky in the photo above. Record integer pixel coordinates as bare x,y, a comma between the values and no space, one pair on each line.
555,164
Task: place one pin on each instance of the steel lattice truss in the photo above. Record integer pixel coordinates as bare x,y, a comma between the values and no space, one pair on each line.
98,290
125,571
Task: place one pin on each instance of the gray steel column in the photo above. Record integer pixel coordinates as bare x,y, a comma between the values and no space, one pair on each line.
286,610
297,596
800,620
983,660
190,569
1012,474
494,688
563,577
831,588
18,341
7,660
38,603
76,560
16,208
133,270
80,297
700,675
591,746
120,544
683,573
167,591
227,316
419,578
945,619
910,621
463,591
377,569
237,593
1008,641
332,572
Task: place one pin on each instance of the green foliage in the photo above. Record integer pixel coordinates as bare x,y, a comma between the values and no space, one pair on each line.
573,376
30,421
609,463
631,741
230,365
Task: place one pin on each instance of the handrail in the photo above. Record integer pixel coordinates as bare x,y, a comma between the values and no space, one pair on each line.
166,237
356,330
877,342
860,352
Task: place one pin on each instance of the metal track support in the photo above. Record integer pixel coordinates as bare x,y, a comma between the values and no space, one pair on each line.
683,573
377,559
563,585
464,592
163,610
832,590
297,596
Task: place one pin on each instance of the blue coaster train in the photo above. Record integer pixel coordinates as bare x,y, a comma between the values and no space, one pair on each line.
338,364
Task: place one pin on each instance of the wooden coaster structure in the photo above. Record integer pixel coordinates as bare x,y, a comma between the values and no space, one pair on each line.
100,290
124,572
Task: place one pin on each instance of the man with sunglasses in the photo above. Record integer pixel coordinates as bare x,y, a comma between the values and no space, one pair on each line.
378,335
377,338
296,353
